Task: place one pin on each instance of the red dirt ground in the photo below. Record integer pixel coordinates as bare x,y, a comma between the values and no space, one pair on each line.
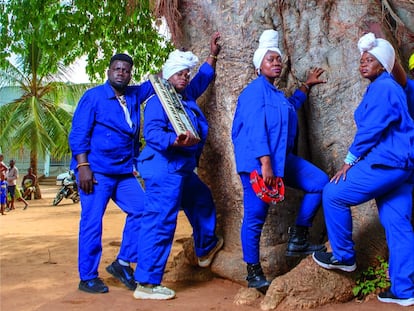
38,267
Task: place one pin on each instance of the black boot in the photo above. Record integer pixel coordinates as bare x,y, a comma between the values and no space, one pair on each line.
298,244
256,279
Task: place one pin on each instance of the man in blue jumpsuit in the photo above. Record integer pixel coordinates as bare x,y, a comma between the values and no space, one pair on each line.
378,166
104,140
167,165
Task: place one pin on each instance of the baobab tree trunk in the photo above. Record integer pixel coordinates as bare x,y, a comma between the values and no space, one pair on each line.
311,33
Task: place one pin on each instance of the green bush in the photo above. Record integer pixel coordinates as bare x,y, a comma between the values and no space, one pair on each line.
372,279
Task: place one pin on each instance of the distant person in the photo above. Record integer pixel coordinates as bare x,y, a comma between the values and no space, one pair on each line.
29,184
18,197
3,166
3,192
104,141
12,176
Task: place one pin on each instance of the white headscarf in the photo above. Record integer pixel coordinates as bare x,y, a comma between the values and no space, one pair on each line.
380,48
177,61
269,41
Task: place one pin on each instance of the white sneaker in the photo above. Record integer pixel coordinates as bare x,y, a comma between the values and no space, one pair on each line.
388,297
157,292
206,260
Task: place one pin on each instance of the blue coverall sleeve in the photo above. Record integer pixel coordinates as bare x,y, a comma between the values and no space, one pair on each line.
158,132
200,82
409,91
143,90
82,124
297,99
254,122
373,116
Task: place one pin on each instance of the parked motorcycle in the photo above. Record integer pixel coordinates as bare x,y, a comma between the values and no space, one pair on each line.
68,189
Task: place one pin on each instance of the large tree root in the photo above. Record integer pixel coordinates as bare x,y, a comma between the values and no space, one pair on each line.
304,287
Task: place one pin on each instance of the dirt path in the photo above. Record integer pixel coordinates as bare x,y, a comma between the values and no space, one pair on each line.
38,267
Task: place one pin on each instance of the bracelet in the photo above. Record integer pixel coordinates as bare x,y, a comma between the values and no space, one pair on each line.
82,164
213,56
306,86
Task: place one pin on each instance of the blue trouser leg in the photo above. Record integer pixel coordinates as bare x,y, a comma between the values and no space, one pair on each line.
255,212
129,196
395,210
362,184
303,175
198,205
93,207
158,222
127,193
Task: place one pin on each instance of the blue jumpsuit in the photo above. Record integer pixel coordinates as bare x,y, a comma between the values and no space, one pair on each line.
384,143
409,91
99,129
170,183
265,124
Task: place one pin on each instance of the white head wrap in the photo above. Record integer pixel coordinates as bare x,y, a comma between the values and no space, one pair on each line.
269,41
380,48
177,61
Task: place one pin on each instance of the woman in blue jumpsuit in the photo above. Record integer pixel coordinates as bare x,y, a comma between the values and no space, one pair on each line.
167,165
378,166
263,133
104,140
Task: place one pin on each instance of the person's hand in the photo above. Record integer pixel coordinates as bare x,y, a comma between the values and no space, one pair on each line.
376,29
215,48
313,77
86,179
186,140
341,173
267,174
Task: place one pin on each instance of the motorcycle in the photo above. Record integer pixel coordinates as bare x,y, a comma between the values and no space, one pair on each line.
68,188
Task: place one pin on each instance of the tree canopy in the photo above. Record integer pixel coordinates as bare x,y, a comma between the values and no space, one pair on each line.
41,38
66,30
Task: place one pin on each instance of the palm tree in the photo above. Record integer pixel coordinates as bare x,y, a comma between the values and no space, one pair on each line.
40,118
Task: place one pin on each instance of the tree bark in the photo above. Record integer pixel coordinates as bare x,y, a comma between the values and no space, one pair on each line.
311,33
33,165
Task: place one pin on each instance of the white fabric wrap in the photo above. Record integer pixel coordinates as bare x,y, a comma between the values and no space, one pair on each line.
269,41
177,61
381,49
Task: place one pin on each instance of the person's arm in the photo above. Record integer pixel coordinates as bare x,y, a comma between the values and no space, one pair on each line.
267,171
79,140
399,74
214,49
206,73
15,174
313,79
3,167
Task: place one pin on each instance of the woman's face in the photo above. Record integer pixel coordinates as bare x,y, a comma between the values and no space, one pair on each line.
369,67
180,80
271,66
